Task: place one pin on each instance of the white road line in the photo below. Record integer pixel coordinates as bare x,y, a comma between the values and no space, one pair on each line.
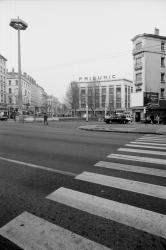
131,168
144,146
151,222
148,139
153,136
124,184
142,151
31,232
148,143
137,158
38,166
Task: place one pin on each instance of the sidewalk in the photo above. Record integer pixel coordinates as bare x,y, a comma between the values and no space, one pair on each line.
127,128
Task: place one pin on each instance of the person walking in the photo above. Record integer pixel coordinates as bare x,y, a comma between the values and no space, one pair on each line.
158,119
45,119
152,118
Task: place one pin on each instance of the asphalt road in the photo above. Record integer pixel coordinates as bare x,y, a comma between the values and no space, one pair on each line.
36,160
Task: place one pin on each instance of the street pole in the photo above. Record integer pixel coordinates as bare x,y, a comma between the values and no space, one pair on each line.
87,113
19,25
87,105
19,74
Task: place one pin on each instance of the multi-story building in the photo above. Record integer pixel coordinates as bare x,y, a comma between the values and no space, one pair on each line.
52,105
3,61
102,94
32,93
149,78
12,91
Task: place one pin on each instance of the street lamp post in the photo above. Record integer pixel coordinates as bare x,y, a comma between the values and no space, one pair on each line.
19,24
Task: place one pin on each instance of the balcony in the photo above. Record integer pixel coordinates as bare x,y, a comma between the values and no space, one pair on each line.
138,66
137,50
162,81
138,83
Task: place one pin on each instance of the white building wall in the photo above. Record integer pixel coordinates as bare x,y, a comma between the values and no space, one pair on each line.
107,83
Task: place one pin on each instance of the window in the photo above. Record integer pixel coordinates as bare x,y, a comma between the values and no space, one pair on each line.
138,89
162,61
138,60
162,93
118,97
9,83
10,90
97,97
139,77
162,46
111,97
10,100
162,77
125,96
138,46
83,98
16,82
128,97
103,96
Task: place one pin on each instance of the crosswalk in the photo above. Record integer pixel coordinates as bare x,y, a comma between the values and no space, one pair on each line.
31,232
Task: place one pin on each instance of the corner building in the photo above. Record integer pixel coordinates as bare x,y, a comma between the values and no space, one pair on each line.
149,56
3,70
103,95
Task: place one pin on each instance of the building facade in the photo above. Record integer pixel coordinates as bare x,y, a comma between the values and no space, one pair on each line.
12,91
149,75
32,93
3,70
103,95
52,105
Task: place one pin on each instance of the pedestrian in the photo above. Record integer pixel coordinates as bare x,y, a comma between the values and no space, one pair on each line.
146,119
45,119
152,118
158,119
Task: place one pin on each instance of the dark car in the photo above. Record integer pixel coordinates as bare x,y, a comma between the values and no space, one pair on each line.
116,119
3,118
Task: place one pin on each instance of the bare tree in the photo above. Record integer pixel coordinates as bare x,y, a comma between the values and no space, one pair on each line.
93,95
72,97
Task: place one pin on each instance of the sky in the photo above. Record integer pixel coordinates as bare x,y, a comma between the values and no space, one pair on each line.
68,39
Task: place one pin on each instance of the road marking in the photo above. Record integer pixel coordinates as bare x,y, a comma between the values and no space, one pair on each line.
38,166
125,184
142,151
31,232
148,139
151,222
153,137
137,158
144,146
148,143
131,168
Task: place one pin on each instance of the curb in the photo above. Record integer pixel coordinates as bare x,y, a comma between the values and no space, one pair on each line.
120,131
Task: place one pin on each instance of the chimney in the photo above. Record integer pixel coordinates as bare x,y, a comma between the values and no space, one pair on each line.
156,31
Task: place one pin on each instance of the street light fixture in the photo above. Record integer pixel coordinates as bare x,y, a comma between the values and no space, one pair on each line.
19,24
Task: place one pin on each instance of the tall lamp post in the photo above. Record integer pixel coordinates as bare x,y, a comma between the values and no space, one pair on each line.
19,24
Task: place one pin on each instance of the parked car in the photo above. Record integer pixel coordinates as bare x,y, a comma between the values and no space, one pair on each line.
3,116
123,119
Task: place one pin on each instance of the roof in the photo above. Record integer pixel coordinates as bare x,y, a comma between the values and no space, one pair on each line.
109,80
3,57
149,35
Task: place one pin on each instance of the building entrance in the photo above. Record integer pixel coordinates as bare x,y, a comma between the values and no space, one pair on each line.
137,117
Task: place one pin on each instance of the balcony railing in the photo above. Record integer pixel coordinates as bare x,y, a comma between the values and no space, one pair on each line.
138,83
137,50
162,81
138,66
